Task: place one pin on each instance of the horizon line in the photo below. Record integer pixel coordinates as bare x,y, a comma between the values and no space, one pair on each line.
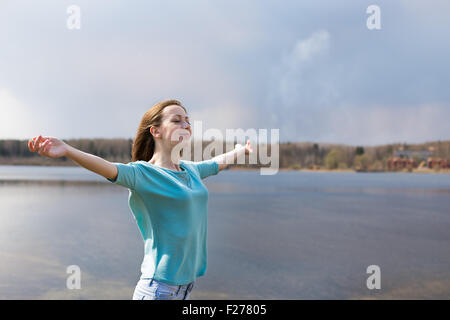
280,142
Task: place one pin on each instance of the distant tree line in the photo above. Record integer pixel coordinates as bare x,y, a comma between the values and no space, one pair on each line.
298,155
17,152
361,158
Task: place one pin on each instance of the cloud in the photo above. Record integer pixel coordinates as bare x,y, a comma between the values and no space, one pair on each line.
106,75
234,64
299,87
306,49
433,12
16,119
222,116
297,81
322,91
375,125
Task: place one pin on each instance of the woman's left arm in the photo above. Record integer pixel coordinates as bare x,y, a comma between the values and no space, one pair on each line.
230,157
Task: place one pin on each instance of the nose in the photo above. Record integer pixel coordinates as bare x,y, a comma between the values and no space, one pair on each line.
186,125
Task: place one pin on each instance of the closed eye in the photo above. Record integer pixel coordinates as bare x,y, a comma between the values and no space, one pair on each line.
179,121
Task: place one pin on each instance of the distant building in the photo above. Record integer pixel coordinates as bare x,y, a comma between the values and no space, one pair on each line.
406,159
438,162
395,163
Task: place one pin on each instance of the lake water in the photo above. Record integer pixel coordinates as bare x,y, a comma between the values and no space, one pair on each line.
293,235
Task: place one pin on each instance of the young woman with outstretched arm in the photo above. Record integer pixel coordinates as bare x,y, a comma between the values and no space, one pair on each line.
167,197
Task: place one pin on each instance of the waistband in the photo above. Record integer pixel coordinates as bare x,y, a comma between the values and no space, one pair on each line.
174,286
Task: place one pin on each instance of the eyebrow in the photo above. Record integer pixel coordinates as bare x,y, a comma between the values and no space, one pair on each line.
187,117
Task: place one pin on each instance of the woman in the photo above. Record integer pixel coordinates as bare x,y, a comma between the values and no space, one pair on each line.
167,197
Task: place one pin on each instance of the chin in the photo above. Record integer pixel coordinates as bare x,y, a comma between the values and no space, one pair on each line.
182,139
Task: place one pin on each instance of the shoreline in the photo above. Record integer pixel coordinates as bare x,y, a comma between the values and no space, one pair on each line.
427,171
233,168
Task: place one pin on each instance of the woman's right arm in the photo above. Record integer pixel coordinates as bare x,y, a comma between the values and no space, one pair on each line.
55,148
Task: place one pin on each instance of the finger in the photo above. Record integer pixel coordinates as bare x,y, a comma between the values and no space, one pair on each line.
40,144
44,145
36,142
42,141
42,149
47,146
30,145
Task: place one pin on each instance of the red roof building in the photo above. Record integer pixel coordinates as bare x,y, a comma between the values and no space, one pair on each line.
401,163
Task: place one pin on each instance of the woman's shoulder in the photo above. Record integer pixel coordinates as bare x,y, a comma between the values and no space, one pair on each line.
192,165
144,169
139,165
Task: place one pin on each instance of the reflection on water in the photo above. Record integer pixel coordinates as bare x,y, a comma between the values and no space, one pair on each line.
294,235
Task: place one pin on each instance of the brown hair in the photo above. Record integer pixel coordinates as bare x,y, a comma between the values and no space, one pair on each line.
144,143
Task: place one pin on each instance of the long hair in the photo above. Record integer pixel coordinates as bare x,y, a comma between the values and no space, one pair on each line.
144,143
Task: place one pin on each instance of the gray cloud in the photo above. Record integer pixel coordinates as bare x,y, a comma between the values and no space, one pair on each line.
300,67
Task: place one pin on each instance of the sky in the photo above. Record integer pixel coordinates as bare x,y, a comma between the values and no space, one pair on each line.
311,69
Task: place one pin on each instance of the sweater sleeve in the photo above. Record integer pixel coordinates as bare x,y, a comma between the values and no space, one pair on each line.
126,176
206,168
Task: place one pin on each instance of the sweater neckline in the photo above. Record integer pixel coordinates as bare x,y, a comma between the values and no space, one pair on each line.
170,170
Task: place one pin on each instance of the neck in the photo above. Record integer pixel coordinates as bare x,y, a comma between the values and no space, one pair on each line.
164,159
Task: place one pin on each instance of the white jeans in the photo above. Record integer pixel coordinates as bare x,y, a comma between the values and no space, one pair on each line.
151,289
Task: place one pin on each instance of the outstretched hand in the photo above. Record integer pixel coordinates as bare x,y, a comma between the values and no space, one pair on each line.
248,147
47,146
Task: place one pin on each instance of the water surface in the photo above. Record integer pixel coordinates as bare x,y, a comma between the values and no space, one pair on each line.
293,235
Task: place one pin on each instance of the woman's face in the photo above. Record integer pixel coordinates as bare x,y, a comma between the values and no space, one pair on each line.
175,125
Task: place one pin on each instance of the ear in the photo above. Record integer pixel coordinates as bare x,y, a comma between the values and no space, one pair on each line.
154,131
